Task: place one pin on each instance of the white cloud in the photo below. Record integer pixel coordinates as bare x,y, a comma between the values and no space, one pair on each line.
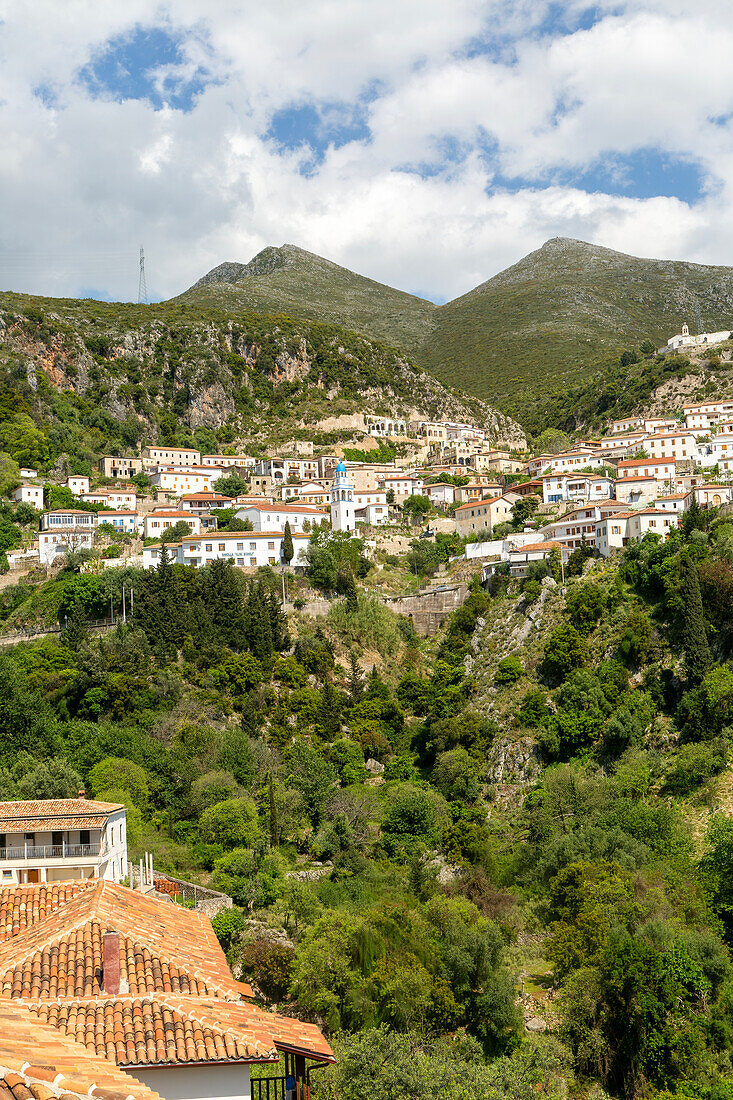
85,181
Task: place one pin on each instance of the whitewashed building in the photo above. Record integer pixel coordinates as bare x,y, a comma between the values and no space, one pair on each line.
29,494
343,512
50,840
78,484
246,549
685,340
272,516
559,487
155,523
64,530
182,456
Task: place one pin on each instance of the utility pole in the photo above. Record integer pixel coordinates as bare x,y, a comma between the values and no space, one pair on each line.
142,285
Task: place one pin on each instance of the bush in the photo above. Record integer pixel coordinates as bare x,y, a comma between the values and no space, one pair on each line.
565,650
693,764
509,670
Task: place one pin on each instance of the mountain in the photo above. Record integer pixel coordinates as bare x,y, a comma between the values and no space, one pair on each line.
519,339
544,323
300,284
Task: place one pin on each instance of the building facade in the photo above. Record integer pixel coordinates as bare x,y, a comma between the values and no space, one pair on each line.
51,840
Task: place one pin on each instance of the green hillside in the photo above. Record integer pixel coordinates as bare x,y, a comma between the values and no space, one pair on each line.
301,284
544,323
520,339
88,378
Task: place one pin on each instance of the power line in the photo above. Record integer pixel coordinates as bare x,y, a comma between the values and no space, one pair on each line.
142,286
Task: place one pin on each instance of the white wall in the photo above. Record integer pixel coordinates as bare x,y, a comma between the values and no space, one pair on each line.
196,1082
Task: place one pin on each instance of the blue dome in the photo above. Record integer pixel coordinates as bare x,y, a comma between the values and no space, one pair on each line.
340,469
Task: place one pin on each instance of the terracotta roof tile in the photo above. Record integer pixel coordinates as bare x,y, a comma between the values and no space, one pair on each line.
66,1068
160,943
55,813
23,906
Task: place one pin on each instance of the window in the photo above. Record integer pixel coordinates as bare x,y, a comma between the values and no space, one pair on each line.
222,546
271,546
253,561
208,547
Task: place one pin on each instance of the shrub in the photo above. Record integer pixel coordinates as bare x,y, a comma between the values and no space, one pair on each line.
508,670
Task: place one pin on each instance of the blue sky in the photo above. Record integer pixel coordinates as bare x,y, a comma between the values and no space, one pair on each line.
426,144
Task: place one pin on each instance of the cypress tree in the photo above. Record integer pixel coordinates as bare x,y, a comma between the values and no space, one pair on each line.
356,680
288,548
330,711
698,658
274,824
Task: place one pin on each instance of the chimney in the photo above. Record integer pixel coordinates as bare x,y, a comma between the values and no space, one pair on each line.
111,962
82,793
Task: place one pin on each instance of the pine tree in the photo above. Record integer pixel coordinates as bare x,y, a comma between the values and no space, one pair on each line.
698,658
278,624
223,596
258,628
693,518
288,548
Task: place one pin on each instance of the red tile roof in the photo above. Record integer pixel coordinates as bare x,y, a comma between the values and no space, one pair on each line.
55,813
178,1002
39,1058
23,906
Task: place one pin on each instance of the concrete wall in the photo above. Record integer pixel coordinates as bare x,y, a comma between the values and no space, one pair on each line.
218,1082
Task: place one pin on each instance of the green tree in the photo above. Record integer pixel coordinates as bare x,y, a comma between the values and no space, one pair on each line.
117,773
698,658
288,548
232,823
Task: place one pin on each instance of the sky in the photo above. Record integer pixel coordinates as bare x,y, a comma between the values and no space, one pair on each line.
425,143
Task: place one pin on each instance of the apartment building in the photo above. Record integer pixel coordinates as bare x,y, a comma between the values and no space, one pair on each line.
243,463
627,424
482,515
117,466
246,549
500,462
56,839
628,441
476,491
182,456
579,525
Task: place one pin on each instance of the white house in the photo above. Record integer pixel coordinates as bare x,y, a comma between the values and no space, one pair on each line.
155,523
638,490
371,507
673,502
680,446
247,549
402,485
629,424
579,525
281,469
629,441
617,531
273,517
29,494
557,487
712,496
242,463
685,340
78,484
28,471
189,479
64,530
121,497
50,840
521,557
440,494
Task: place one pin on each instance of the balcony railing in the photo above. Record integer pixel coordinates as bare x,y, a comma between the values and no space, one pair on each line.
50,851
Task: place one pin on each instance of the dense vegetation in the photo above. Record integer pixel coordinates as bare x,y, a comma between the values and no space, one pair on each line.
83,379
338,778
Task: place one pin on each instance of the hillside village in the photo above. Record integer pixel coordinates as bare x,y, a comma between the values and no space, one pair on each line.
639,477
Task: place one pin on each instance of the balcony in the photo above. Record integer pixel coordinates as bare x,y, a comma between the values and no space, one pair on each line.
51,851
